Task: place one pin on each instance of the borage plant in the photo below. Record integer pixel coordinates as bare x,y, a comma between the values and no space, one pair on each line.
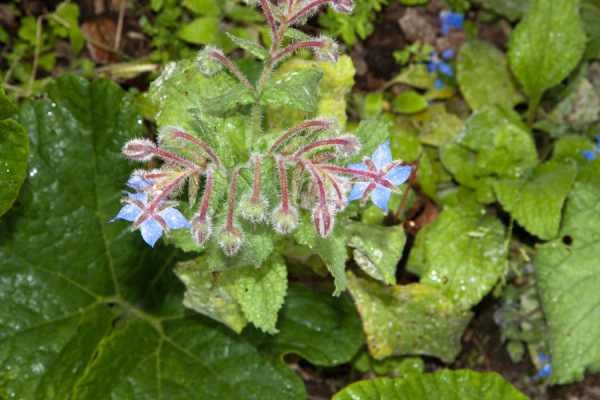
219,122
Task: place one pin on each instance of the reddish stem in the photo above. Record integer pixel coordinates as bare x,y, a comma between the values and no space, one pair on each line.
348,171
236,71
297,46
168,189
297,128
315,173
207,192
320,143
284,189
305,9
179,134
234,178
335,187
163,175
272,23
256,189
175,158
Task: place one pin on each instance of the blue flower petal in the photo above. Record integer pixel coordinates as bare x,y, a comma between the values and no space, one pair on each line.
445,69
359,167
452,19
129,213
545,371
137,183
151,231
138,196
447,54
399,175
588,154
174,219
543,357
380,197
382,156
357,191
445,28
439,84
431,66
598,147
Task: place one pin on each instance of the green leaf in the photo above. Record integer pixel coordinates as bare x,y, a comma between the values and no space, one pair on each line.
546,45
163,364
590,15
204,7
409,102
409,319
465,254
444,385
483,76
211,294
371,133
235,97
567,150
441,128
331,249
377,249
536,203
492,145
323,329
203,30
260,291
14,149
567,272
415,75
89,310
255,49
296,89
511,9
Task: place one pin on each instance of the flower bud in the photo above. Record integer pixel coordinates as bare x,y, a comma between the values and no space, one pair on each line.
254,210
343,6
285,220
230,241
351,147
139,149
323,219
329,51
207,63
201,229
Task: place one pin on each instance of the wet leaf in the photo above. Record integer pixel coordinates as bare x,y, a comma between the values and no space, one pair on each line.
536,203
14,149
91,297
483,76
377,249
464,254
409,319
567,271
492,145
546,45
444,385
296,89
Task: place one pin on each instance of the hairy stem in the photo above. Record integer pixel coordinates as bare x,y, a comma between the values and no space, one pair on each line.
169,189
297,128
167,155
256,189
236,71
200,144
319,144
209,183
234,178
294,47
284,189
348,171
306,8
315,174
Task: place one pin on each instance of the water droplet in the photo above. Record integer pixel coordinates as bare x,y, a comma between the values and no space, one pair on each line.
33,172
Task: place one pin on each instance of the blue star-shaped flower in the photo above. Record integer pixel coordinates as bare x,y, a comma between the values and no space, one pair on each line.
151,222
449,20
383,177
590,155
437,64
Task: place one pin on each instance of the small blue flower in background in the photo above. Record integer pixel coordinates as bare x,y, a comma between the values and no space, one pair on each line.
449,20
546,368
590,155
437,64
152,223
389,175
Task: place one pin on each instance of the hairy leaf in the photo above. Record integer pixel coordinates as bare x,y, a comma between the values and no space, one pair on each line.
536,203
546,45
567,271
297,89
409,319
